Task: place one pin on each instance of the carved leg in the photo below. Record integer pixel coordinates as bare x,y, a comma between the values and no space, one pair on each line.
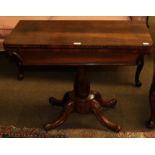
96,108
62,118
20,75
151,122
93,101
140,64
109,104
19,64
82,100
54,101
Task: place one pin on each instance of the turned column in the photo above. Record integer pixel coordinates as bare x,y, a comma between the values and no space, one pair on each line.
81,83
82,91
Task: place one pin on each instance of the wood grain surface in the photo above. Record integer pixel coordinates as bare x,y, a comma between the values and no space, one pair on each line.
79,34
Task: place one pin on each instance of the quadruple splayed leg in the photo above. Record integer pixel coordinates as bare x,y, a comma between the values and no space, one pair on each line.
83,100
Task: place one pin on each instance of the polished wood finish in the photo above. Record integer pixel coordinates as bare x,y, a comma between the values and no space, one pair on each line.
140,64
80,44
98,41
83,100
151,122
91,34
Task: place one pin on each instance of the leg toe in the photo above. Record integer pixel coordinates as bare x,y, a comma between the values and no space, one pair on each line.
150,124
138,84
54,101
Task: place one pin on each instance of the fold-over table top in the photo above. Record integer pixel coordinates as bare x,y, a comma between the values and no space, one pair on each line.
79,34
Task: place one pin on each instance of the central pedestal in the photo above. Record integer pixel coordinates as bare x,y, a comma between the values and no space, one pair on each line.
83,100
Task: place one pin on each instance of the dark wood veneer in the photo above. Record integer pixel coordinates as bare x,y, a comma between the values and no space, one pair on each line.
92,34
80,44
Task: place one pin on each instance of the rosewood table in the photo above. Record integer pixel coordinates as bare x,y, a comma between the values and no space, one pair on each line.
80,44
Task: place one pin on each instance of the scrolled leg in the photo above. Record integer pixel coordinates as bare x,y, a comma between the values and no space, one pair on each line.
19,62
20,75
69,107
96,108
140,64
54,101
109,104
82,100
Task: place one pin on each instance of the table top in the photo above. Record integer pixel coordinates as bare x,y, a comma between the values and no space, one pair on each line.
79,34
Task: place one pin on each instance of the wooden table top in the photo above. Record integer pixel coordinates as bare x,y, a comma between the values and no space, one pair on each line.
79,34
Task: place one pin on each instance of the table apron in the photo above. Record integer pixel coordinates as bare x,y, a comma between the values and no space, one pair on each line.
78,57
